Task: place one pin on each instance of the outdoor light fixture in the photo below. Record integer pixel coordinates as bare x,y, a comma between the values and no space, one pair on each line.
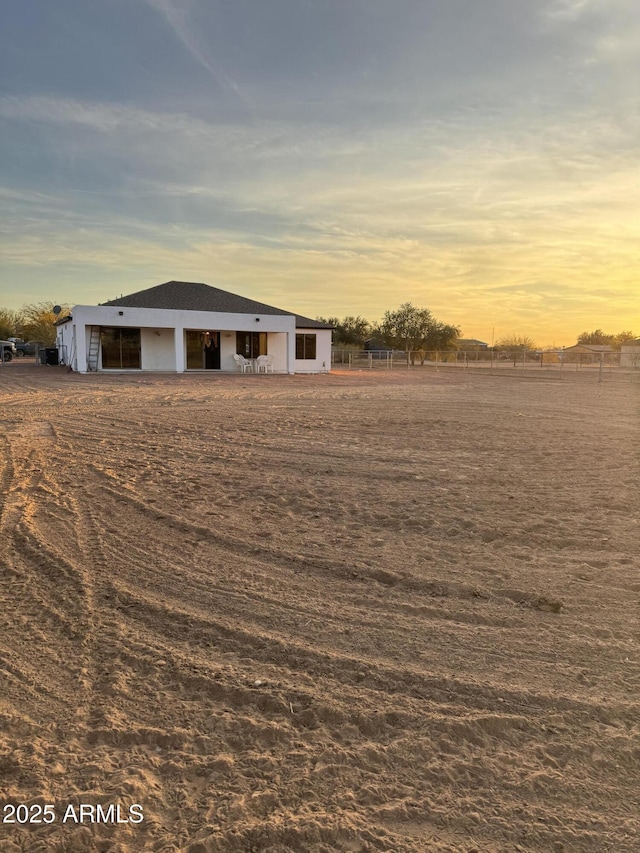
257,319
121,313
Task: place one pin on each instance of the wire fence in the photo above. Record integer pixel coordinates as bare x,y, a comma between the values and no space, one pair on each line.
556,361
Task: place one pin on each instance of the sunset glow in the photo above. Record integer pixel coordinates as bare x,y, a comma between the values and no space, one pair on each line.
329,158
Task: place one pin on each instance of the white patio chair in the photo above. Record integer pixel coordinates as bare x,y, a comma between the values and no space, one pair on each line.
264,363
244,365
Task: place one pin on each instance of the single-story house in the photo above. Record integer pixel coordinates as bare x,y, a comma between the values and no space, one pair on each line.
587,353
183,326
630,354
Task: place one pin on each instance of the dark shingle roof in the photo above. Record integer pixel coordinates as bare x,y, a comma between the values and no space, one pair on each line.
306,323
194,296
590,347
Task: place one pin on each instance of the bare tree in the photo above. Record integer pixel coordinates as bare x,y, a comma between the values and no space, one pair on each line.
515,346
515,343
9,323
38,321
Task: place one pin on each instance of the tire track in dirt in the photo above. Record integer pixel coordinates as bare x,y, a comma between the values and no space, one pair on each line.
10,501
43,587
433,708
43,596
342,568
479,732
298,658
273,559
347,571
104,635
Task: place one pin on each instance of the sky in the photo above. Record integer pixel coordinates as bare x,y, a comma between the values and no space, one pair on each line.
480,158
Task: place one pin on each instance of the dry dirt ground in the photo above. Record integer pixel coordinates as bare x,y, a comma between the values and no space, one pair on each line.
391,611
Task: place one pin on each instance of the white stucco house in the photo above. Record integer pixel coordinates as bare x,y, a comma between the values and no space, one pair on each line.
187,326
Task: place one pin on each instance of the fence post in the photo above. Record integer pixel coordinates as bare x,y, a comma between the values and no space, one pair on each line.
370,361
350,355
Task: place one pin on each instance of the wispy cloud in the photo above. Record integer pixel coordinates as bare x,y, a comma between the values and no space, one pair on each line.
109,117
568,10
176,13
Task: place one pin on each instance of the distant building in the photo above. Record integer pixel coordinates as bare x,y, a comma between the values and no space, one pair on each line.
589,348
376,344
471,344
630,354
586,353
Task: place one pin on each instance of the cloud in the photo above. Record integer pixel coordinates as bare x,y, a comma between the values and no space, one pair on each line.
110,117
446,165
177,16
568,10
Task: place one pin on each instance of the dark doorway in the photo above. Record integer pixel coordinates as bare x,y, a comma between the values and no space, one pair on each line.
211,344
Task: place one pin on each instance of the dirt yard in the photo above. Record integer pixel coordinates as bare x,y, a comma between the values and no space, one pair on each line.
362,612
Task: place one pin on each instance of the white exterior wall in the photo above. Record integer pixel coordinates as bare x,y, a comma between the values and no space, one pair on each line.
65,342
157,349
277,347
630,355
227,350
180,350
166,351
322,361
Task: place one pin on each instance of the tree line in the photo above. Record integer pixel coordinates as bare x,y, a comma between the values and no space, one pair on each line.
406,328
598,337
412,328
409,328
31,322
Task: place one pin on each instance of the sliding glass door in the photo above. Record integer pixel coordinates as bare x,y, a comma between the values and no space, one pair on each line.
120,348
203,350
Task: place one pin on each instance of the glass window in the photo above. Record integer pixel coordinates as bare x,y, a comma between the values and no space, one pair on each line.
195,357
251,344
130,348
305,346
110,343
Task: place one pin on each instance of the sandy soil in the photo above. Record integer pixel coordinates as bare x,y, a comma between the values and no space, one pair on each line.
359,612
